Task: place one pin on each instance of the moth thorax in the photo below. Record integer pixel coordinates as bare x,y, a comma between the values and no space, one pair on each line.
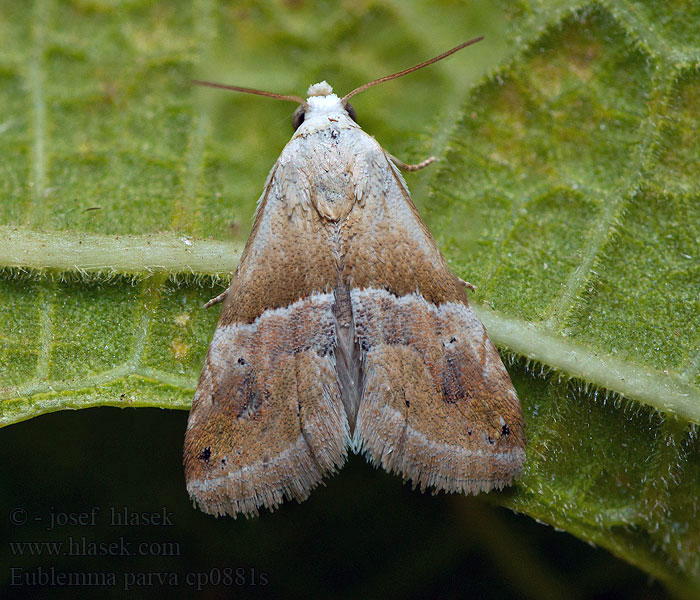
320,89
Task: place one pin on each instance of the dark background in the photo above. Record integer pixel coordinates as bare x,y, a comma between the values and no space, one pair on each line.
365,534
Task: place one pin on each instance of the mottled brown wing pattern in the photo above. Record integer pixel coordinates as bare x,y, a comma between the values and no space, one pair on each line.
267,421
438,406
386,245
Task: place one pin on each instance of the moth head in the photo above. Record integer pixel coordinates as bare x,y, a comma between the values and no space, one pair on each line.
321,99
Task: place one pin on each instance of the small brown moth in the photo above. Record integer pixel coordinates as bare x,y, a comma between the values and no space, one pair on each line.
345,329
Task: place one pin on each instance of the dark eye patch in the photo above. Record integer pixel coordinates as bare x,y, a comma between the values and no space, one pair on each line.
298,117
351,111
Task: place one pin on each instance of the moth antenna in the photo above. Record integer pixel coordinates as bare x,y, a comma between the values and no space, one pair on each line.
362,88
235,88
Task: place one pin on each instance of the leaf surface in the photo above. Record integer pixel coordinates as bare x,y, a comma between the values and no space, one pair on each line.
567,191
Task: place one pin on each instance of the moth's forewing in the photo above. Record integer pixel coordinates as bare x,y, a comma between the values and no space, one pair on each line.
437,405
267,421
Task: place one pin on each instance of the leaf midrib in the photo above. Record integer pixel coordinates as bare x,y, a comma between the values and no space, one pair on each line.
64,251
70,251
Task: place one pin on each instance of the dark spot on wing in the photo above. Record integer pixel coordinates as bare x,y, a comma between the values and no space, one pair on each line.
453,388
249,397
301,349
205,454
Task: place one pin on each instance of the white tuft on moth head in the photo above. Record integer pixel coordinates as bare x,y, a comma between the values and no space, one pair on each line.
323,102
322,88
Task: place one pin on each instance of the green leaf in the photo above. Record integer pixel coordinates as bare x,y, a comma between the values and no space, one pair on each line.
567,191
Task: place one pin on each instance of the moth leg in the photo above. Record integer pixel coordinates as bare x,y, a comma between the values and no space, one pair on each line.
469,286
404,167
220,298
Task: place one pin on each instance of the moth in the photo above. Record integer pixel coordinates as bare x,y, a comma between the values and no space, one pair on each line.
344,330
